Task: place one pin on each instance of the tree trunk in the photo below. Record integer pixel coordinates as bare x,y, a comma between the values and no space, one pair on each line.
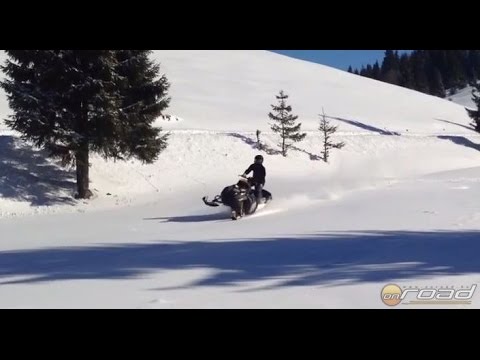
81,156
325,150
81,159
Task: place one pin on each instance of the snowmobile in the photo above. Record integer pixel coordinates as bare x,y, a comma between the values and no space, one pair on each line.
240,197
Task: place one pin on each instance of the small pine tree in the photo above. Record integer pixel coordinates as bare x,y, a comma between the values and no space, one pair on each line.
327,131
285,126
475,114
350,70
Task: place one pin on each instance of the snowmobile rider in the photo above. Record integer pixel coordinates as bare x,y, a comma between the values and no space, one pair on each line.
259,174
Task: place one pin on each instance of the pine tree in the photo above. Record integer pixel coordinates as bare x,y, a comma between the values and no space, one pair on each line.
72,102
390,71
428,71
473,65
285,123
145,98
406,73
436,83
420,72
475,114
327,131
376,71
464,68
476,62
369,71
438,60
350,69
454,69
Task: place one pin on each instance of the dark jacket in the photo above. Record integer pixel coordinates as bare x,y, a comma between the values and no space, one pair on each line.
259,173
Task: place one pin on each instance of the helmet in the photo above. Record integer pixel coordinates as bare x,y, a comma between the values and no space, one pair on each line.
259,159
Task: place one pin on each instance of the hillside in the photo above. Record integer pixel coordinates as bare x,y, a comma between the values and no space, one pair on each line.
397,204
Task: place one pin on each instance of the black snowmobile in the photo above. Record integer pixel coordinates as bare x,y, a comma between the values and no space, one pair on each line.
241,198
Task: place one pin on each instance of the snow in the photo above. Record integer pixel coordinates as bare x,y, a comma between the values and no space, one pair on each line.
233,90
463,97
396,205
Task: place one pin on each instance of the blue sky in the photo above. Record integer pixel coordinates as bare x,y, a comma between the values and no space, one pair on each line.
340,59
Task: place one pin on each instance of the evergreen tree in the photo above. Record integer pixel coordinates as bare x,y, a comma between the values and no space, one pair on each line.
420,72
327,130
454,69
369,71
144,99
72,102
285,123
429,71
473,64
363,71
438,59
436,83
376,71
350,69
390,71
475,114
406,73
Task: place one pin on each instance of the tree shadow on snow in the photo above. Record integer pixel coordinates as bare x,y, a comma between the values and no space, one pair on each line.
365,126
326,259
192,218
25,175
457,124
313,157
254,145
460,140
268,149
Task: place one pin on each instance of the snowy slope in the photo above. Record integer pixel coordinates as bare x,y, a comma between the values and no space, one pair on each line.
397,204
463,97
233,90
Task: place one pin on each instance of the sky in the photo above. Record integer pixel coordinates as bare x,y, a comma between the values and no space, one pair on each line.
340,59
